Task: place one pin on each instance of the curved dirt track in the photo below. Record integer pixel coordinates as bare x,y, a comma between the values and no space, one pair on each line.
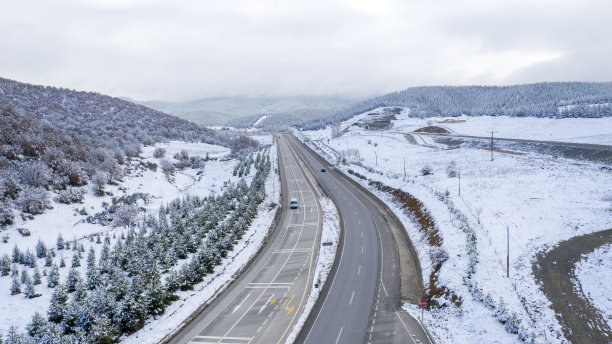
581,321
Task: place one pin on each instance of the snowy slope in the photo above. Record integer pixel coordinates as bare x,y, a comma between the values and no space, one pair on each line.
540,200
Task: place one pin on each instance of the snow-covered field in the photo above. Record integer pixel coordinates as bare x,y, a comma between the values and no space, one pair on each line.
580,130
594,273
69,221
540,200
325,260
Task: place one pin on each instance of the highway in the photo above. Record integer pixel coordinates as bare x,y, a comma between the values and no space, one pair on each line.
361,303
263,304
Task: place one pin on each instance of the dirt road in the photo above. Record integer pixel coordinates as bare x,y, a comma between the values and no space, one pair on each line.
581,321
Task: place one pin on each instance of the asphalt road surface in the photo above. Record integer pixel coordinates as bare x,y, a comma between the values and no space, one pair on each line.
264,303
582,322
361,303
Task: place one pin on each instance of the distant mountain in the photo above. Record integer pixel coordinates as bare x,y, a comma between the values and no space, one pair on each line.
558,99
220,111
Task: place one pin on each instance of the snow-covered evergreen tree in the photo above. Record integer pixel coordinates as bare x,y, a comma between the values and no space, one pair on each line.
15,286
53,277
59,298
73,280
41,249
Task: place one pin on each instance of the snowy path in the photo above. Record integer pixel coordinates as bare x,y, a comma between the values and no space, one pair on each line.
582,322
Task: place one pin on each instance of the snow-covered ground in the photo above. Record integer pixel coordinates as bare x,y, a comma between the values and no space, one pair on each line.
580,130
205,292
540,200
594,273
325,260
68,221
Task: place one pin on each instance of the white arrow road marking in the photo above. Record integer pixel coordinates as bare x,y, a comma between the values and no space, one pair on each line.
240,305
265,304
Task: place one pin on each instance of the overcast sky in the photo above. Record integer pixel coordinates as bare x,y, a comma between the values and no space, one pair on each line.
188,49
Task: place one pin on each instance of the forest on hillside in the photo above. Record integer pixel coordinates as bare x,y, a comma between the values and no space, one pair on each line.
556,100
54,139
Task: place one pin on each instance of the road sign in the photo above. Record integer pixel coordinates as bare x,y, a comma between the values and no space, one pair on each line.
423,303
328,243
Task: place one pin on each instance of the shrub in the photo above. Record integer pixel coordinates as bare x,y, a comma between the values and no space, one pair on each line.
159,152
70,196
32,200
426,170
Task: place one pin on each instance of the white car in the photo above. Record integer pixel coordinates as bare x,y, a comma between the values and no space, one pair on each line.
293,203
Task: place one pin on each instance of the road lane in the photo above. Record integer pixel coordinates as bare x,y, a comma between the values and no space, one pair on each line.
362,303
264,303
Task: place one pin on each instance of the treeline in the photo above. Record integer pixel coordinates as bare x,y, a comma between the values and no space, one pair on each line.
137,277
53,139
557,100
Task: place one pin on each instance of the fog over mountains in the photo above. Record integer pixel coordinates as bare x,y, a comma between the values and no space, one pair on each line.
221,110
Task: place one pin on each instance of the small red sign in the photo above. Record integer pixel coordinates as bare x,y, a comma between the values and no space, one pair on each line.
423,303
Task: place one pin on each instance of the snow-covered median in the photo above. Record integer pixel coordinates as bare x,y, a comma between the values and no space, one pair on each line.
325,260
594,273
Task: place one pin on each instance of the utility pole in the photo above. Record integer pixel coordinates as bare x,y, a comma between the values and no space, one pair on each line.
508,252
492,145
459,172
376,156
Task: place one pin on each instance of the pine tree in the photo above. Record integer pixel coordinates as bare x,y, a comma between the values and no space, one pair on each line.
76,262
62,262
60,242
14,337
73,280
14,271
25,276
38,327
92,274
53,277
5,265
103,331
30,289
16,255
30,259
15,286
57,305
49,258
41,249
37,277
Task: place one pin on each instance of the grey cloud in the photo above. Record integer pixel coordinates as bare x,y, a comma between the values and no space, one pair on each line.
193,49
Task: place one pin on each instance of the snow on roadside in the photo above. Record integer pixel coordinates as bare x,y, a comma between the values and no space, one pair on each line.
541,199
325,260
594,273
206,291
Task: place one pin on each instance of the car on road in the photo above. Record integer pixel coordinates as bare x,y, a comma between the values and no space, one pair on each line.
322,170
293,203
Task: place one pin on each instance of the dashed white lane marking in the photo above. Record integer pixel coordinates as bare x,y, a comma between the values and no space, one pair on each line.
240,305
361,248
358,270
339,334
352,295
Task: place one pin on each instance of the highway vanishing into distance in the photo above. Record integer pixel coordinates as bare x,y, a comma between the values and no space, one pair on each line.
263,304
361,301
